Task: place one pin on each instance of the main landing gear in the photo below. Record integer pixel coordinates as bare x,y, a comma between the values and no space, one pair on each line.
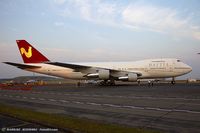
108,82
150,83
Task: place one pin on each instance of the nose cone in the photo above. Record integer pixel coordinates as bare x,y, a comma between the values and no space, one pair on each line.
189,68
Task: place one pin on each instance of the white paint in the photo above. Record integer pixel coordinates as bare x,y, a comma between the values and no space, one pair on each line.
150,68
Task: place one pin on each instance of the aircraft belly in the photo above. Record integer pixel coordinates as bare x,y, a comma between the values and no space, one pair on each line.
157,74
68,75
74,75
64,73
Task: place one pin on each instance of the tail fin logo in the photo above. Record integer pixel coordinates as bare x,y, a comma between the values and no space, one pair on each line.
27,54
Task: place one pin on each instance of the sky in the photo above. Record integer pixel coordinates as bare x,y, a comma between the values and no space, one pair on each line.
101,30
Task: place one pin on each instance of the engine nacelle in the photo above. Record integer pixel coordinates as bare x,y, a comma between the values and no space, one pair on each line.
104,74
132,77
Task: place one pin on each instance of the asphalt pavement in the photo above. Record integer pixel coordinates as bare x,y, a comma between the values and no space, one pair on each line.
169,108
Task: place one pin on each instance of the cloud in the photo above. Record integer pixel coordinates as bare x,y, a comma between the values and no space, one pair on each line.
93,11
134,16
84,8
59,2
59,24
151,17
159,19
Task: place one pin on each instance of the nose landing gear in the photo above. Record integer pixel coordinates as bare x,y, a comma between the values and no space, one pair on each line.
173,81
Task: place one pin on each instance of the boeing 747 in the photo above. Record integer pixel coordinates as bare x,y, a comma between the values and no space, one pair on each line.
108,72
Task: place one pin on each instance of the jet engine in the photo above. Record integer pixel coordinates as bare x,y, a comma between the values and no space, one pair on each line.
130,77
104,74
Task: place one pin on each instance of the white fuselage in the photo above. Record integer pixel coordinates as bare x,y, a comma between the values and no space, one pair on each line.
150,68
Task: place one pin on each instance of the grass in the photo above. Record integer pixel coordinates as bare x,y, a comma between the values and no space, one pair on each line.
67,122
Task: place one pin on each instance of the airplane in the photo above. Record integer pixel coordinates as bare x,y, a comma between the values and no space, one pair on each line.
108,72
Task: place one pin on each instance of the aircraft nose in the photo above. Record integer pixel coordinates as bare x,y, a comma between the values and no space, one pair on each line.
189,68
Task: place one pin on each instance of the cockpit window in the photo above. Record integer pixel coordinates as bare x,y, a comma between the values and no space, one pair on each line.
178,61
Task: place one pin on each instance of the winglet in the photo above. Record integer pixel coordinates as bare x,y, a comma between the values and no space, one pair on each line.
29,53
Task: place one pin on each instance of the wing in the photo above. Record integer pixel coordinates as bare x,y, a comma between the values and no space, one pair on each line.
21,66
68,65
92,70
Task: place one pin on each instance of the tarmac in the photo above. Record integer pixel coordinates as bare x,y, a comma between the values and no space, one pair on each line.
165,107
10,124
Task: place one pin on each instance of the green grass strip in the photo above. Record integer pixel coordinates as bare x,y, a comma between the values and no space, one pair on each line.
67,122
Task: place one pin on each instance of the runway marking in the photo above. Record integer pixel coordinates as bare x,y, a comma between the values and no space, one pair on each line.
187,111
195,104
53,100
42,99
115,96
111,96
77,102
112,105
64,101
132,107
97,104
158,109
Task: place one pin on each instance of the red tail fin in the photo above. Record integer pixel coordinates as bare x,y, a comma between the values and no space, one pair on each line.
29,53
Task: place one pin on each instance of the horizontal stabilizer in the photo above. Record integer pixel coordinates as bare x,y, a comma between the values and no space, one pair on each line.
22,66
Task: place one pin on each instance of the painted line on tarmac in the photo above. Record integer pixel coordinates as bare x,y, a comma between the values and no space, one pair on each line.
63,101
96,104
118,96
78,102
113,105
41,99
110,96
53,100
